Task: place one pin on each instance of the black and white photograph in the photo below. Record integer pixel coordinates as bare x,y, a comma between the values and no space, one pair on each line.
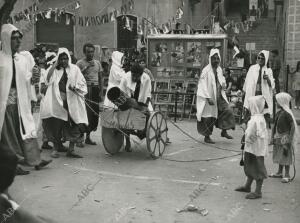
149,111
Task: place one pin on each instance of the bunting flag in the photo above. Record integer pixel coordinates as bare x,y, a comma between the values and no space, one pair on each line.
165,28
68,20
128,23
77,6
140,30
179,13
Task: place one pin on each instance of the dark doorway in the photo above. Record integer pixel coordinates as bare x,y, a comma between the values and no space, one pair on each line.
49,31
126,32
237,6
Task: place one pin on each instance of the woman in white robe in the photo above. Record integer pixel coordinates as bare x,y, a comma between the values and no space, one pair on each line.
212,103
63,110
115,76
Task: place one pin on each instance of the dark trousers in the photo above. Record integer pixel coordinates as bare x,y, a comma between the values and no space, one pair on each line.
92,107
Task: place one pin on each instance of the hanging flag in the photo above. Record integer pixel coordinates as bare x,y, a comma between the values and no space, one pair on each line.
140,30
68,20
165,29
98,19
236,50
179,13
48,13
87,21
80,21
77,5
128,23
93,21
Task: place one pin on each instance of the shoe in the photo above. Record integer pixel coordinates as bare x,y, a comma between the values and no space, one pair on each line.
243,189
54,154
225,134
73,155
62,149
207,139
275,175
253,195
286,180
46,146
42,164
20,171
90,142
80,145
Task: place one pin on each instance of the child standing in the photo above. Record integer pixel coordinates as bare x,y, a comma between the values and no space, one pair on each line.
284,137
256,148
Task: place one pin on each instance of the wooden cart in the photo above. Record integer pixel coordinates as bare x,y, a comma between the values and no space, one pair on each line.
152,126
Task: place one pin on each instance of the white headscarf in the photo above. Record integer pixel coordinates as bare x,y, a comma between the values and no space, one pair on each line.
284,99
256,107
212,52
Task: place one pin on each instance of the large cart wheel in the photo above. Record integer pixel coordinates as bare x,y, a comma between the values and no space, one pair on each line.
112,140
156,134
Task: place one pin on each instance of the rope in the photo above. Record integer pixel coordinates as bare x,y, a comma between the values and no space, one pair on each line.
183,131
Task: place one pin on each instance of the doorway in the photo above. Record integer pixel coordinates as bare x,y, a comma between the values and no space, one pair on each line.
60,32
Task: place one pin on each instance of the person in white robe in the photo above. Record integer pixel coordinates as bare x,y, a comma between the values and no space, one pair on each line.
115,76
137,85
256,148
63,110
17,126
260,81
212,103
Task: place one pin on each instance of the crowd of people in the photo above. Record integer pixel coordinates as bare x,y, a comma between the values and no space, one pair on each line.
70,95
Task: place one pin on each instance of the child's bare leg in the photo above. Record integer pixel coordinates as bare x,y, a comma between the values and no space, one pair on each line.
280,170
247,187
257,193
287,171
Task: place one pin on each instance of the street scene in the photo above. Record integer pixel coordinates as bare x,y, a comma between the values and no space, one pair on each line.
149,111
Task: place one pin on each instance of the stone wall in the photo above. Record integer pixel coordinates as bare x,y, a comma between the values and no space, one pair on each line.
292,30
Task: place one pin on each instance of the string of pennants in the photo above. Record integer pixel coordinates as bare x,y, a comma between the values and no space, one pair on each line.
147,27
32,13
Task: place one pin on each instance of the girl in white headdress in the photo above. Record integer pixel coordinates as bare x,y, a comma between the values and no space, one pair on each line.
256,148
284,137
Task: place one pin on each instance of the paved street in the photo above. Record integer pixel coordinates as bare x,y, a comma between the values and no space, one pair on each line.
131,187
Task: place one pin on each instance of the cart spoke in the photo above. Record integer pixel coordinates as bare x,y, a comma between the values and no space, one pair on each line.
163,141
159,147
161,122
154,148
152,138
156,121
163,131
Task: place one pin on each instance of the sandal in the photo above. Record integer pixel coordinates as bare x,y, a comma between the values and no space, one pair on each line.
243,189
253,196
275,175
286,180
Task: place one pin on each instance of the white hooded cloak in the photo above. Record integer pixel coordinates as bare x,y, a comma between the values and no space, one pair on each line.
115,76
22,83
207,89
256,134
52,105
251,81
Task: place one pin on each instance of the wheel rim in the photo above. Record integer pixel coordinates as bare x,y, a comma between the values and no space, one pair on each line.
156,134
112,140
